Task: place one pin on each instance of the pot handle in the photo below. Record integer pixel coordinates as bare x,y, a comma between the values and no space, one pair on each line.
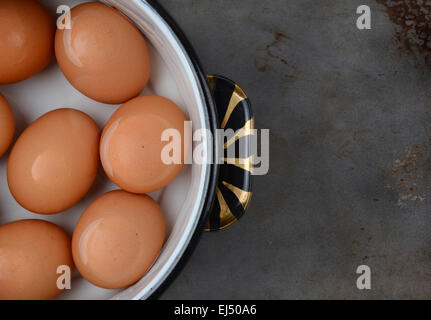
234,184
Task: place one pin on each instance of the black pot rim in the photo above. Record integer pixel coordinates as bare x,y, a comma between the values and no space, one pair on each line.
214,173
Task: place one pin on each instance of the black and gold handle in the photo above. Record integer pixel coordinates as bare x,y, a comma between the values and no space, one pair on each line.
234,184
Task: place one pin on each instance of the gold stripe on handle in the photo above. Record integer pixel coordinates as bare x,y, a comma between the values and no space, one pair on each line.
237,96
212,82
243,196
226,216
246,130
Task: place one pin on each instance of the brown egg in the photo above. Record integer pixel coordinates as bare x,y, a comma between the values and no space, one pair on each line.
30,253
103,55
118,238
26,37
54,162
7,125
131,145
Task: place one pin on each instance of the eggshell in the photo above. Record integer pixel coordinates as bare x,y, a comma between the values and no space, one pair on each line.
30,253
103,55
131,145
118,238
26,37
54,162
7,125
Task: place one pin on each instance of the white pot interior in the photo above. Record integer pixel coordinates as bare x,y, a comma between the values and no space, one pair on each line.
172,76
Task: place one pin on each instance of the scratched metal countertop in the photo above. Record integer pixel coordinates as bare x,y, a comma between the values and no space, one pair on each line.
350,152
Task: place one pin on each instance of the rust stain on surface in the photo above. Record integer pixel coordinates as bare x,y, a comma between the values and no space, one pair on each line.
410,175
278,37
413,18
263,68
274,53
341,151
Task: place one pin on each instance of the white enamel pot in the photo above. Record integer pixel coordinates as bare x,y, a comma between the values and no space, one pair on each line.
204,196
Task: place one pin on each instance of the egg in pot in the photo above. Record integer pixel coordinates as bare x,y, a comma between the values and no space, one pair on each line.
30,253
7,125
118,238
131,147
27,39
54,162
103,55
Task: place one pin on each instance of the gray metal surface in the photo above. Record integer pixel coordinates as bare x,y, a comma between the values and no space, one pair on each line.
349,182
